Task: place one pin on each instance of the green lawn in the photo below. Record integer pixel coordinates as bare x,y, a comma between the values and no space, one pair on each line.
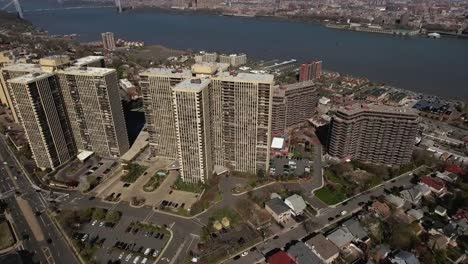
330,196
6,237
134,172
188,187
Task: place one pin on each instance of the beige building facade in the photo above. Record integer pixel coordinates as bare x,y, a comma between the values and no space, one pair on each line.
374,133
43,117
156,88
192,115
95,111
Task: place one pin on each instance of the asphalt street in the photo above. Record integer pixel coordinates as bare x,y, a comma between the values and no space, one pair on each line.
12,177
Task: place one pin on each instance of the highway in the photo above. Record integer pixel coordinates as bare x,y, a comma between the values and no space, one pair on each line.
13,184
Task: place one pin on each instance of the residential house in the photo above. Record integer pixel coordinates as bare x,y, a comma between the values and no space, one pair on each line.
447,176
404,257
412,195
281,257
381,209
381,252
438,242
415,215
394,200
436,186
303,254
296,203
440,210
279,210
341,237
323,248
355,228
423,189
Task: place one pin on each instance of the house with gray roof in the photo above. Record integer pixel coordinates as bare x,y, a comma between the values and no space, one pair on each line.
394,200
412,195
341,237
279,210
296,203
404,257
323,248
303,254
356,229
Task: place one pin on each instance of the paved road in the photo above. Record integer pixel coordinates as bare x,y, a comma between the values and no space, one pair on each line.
12,177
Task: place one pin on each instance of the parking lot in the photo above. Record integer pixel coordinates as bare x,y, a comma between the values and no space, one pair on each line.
129,241
72,172
284,166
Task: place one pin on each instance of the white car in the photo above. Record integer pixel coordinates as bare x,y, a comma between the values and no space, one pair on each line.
155,254
245,253
83,239
344,212
121,255
144,261
135,261
128,257
102,223
94,223
147,251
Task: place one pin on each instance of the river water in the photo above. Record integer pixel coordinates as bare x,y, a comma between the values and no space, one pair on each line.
433,66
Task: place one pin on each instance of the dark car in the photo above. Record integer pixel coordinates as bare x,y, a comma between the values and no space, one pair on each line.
275,237
236,257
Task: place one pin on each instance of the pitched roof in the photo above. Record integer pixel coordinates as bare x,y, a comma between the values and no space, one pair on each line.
323,247
356,229
408,257
296,202
277,206
433,183
303,255
341,237
281,257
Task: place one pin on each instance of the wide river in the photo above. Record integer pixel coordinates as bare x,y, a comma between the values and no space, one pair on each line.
433,66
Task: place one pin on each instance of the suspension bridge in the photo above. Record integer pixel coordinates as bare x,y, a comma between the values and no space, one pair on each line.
7,5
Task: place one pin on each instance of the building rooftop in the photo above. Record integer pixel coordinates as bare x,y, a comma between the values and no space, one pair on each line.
87,71
358,108
244,77
280,257
54,60
303,255
277,206
87,60
22,67
341,237
31,77
322,246
167,72
192,85
296,203
355,227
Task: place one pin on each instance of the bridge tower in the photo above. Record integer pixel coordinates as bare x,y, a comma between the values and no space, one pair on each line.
118,4
19,10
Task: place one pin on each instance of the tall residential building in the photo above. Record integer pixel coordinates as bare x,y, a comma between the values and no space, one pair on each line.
310,71
10,72
374,133
94,109
192,115
156,88
40,107
241,106
234,59
108,41
91,61
293,104
54,63
206,57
